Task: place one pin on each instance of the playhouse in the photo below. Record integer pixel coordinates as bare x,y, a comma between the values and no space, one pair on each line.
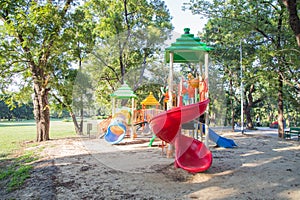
121,123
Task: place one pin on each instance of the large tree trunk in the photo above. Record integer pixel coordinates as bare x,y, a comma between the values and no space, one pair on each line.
281,70
41,112
280,106
248,117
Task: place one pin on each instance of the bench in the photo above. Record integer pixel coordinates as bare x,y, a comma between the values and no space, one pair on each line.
293,131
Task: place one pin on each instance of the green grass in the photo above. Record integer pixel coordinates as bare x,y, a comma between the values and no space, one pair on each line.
14,134
19,176
15,164
17,170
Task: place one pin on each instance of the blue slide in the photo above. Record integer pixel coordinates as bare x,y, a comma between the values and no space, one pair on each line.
116,131
221,141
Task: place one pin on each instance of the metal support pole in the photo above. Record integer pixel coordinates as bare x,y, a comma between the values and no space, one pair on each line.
206,59
242,89
132,119
170,149
170,101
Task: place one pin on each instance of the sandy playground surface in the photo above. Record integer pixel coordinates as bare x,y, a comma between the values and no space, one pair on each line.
261,167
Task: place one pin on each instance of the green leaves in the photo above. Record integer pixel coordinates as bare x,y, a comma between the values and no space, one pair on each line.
267,46
131,33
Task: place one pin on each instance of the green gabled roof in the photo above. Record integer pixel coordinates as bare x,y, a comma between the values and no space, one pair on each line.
124,92
187,49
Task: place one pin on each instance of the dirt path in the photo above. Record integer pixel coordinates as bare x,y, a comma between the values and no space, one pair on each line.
261,167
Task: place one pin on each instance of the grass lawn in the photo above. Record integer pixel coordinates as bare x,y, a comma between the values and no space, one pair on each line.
15,170
13,134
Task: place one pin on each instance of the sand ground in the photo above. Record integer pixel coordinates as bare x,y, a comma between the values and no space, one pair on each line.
261,167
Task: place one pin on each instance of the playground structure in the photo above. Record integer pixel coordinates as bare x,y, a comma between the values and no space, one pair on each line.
192,102
190,154
188,49
121,122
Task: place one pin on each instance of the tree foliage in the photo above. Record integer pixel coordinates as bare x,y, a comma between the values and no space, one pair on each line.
33,48
131,36
19,111
269,58
45,43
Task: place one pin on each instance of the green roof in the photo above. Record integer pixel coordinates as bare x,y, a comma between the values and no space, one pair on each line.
187,49
124,92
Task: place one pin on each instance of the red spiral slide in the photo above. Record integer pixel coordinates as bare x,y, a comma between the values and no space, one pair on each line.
191,154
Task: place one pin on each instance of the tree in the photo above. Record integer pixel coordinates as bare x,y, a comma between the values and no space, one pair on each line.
262,24
132,33
70,85
5,112
12,109
32,36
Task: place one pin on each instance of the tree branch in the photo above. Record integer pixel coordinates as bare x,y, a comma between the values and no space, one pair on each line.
294,20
